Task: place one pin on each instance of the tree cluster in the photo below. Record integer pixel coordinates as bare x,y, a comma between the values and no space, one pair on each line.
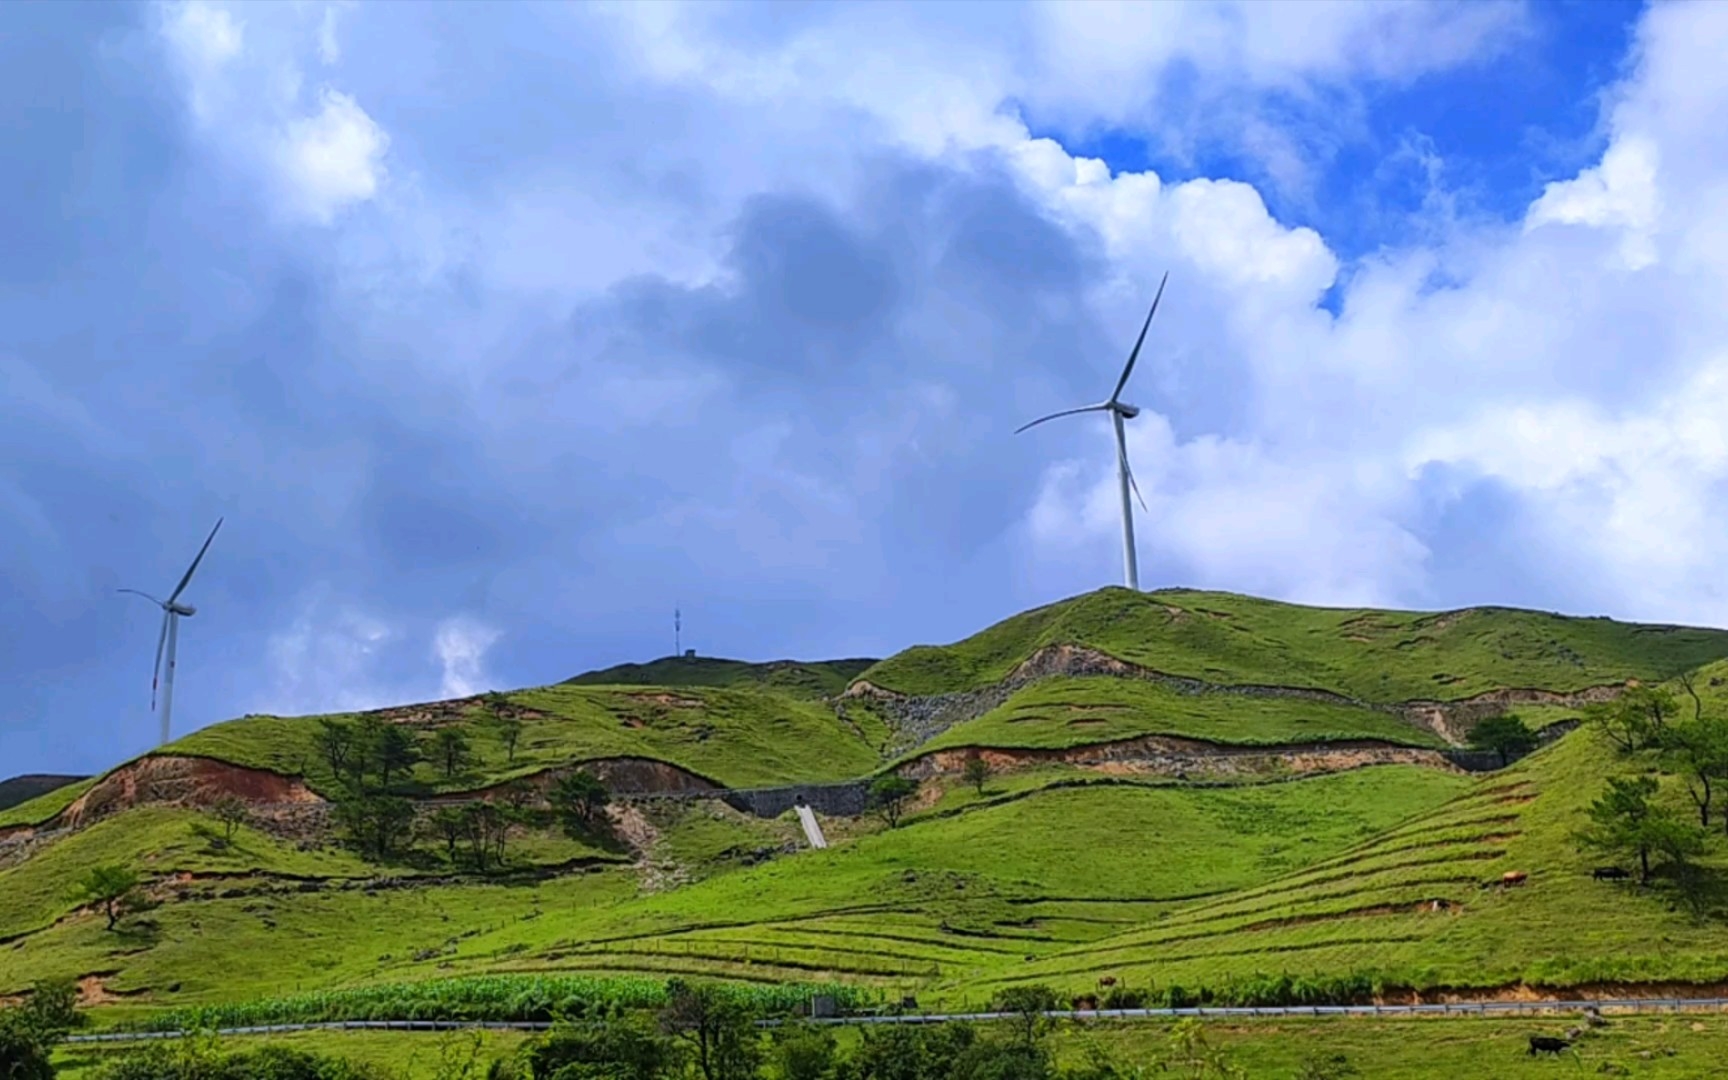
1630,819
30,1032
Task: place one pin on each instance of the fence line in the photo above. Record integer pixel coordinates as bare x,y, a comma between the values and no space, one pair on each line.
1463,1008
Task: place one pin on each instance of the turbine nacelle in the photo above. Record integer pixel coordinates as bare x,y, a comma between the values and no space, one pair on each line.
181,609
1125,410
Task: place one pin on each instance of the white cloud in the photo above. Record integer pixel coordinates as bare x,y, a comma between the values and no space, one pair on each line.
328,661
313,146
333,158
460,646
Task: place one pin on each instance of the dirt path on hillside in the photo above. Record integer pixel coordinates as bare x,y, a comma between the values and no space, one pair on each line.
1184,759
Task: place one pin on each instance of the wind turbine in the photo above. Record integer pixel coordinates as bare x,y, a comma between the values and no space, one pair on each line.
1119,411
172,612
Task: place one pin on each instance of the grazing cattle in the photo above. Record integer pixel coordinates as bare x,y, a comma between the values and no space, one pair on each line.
1609,873
1513,877
1546,1044
1084,1003
1108,980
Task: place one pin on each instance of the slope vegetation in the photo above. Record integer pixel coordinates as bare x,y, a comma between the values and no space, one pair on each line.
1423,905
824,678
1375,656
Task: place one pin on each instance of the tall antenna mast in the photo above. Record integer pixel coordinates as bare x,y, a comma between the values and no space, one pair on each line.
677,632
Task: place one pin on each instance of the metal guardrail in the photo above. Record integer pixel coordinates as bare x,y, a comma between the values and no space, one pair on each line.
1463,1008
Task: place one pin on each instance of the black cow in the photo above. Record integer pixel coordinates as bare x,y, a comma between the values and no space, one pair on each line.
1546,1044
1609,873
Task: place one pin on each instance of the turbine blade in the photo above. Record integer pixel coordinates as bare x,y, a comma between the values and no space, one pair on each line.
145,595
1128,471
156,671
178,589
1064,412
1135,355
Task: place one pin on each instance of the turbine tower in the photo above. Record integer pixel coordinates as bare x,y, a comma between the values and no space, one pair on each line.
1119,411
172,612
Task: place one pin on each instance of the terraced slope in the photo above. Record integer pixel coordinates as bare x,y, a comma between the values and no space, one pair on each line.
1376,656
822,678
964,886
1420,906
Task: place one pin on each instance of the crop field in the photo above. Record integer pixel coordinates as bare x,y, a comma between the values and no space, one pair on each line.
1382,656
1059,713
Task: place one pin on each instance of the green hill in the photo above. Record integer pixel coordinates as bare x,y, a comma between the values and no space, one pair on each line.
825,678
21,789
1057,868
1378,656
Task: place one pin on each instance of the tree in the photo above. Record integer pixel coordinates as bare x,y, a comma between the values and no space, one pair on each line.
578,799
335,742
622,1050
1698,750
450,749
888,795
1625,821
976,772
1635,719
487,827
718,1027
232,812
112,885
509,730
1028,1004
395,752
804,1052
1505,735
30,1032
379,826
447,824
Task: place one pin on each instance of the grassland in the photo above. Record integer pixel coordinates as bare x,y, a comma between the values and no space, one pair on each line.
1380,656
817,679
1372,910
962,886
42,807
1058,713
735,737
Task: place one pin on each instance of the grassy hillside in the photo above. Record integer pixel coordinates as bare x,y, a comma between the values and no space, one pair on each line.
42,807
1381,656
1371,910
1058,713
741,737
823,678
958,889
21,789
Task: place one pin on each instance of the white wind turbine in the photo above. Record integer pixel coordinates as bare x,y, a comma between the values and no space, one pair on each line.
1119,411
172,612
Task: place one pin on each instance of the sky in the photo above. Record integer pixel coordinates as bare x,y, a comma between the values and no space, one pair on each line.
494,333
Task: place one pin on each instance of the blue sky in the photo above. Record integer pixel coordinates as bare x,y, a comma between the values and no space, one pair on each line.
495,333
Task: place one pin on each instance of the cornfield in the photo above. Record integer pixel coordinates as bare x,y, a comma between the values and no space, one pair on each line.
487,998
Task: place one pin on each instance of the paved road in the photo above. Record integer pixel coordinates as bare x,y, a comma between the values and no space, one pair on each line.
1486,1008
812,827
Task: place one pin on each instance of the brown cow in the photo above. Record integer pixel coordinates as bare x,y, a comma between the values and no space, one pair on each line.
1108,980
1513,877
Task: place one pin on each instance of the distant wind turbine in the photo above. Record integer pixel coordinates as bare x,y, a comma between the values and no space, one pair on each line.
1119,411
172,612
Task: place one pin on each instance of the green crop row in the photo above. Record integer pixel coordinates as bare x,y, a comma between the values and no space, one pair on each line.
484,998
